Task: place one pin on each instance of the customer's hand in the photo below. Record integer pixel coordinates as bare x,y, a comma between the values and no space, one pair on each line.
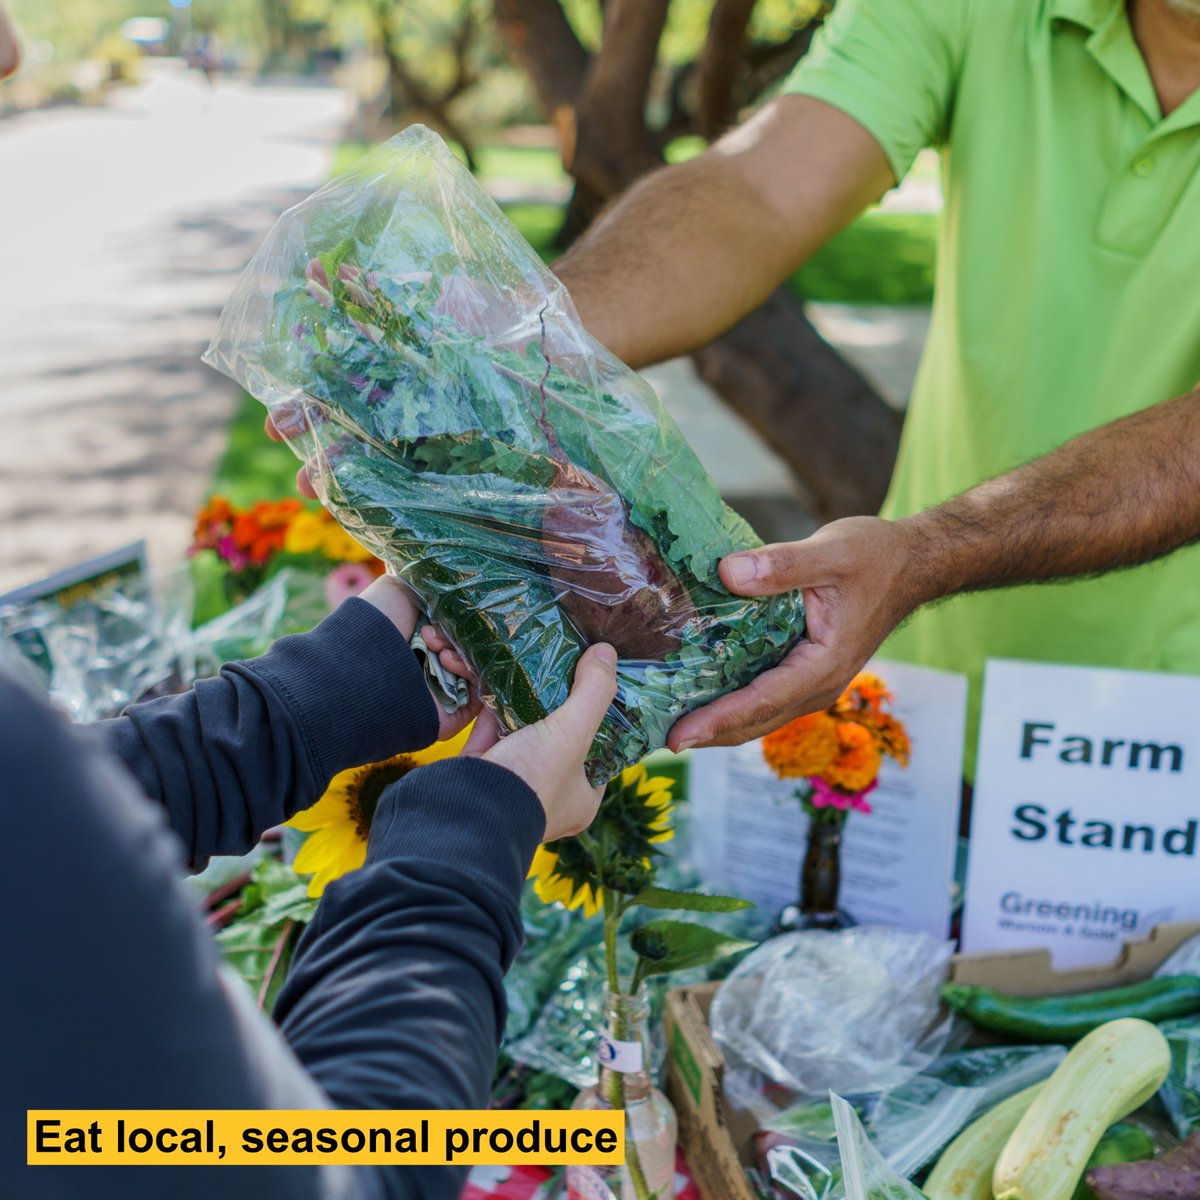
550,754
396,603
855,575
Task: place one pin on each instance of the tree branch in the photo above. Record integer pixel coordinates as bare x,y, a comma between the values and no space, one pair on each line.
613,143
718,66
538,37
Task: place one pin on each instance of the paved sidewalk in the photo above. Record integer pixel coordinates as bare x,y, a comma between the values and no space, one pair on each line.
124,229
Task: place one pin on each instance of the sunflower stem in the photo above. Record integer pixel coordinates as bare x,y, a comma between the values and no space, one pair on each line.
615,1083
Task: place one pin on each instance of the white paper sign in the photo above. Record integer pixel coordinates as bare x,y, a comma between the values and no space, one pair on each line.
1086,821
897,862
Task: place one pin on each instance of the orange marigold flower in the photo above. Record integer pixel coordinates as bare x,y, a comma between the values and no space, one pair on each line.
803,747
866,694
893,738
857,763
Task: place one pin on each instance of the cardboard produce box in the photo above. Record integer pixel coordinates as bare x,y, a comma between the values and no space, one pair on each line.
716,1136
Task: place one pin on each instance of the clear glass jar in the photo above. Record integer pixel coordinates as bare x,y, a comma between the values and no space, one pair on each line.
650,1126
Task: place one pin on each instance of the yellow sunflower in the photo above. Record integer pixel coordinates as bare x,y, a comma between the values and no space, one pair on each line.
615,852
338,824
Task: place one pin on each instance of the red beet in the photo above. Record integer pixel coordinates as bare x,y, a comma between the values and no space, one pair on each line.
616,588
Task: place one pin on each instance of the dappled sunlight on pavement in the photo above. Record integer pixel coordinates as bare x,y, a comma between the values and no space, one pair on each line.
124,229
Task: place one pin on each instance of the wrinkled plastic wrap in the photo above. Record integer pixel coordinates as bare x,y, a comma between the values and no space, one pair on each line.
290,602
1184,961
133,641
856,1010
126,642
867,1174
1181,1092
462,424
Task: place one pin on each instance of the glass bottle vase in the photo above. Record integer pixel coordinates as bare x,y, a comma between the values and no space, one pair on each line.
650,1126
820,879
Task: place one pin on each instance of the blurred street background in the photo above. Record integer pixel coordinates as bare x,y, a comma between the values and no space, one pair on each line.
146,149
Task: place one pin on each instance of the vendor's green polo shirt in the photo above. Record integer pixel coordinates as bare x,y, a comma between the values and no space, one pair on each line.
1068,285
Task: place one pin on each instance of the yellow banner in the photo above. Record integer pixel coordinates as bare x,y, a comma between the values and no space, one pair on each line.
247,1136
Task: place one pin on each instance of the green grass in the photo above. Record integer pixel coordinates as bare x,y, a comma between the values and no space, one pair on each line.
253,467
535,165
883,258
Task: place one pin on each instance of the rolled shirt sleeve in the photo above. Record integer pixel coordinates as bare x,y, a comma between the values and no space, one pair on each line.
893,66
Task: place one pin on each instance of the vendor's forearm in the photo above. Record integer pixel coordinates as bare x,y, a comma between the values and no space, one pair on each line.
693,248
1118,496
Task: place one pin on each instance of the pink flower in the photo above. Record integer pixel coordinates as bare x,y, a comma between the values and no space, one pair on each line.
346,580
228,549
826,796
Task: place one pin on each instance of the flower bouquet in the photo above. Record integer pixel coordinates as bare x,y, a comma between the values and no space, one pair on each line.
252,544
837,752
460,423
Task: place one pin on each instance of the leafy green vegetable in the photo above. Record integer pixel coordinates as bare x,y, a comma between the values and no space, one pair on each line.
526,484
260,941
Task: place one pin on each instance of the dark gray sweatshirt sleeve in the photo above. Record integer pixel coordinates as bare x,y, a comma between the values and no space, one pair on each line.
243,752
395,998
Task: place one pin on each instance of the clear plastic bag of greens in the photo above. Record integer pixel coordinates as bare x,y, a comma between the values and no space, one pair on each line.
461,423
908,1125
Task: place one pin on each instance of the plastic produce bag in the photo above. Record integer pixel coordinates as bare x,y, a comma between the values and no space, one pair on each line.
1181,1092
290,602
127,642
867,1175
855,1010
463,425
909,1125
1184,961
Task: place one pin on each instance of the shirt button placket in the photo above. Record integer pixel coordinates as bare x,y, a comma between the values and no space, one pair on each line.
1143,166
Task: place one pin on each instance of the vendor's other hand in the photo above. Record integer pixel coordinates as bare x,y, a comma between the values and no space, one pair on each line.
396,603
852,574
550,754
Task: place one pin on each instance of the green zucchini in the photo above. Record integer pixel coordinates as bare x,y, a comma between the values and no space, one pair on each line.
1069,1018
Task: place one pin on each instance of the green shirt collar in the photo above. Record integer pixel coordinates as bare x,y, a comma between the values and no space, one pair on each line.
1112,45
1089,13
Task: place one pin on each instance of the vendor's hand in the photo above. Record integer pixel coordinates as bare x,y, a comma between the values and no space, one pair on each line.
550,754
854,575
396,603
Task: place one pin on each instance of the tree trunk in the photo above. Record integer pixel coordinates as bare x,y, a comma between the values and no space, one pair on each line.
810,406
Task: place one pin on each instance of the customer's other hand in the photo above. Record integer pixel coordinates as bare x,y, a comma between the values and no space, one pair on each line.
396,603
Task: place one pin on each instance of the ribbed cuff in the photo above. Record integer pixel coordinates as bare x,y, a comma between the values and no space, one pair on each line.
354,687
465,813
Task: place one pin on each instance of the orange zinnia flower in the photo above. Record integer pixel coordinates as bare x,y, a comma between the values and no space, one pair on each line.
805,746
857,763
